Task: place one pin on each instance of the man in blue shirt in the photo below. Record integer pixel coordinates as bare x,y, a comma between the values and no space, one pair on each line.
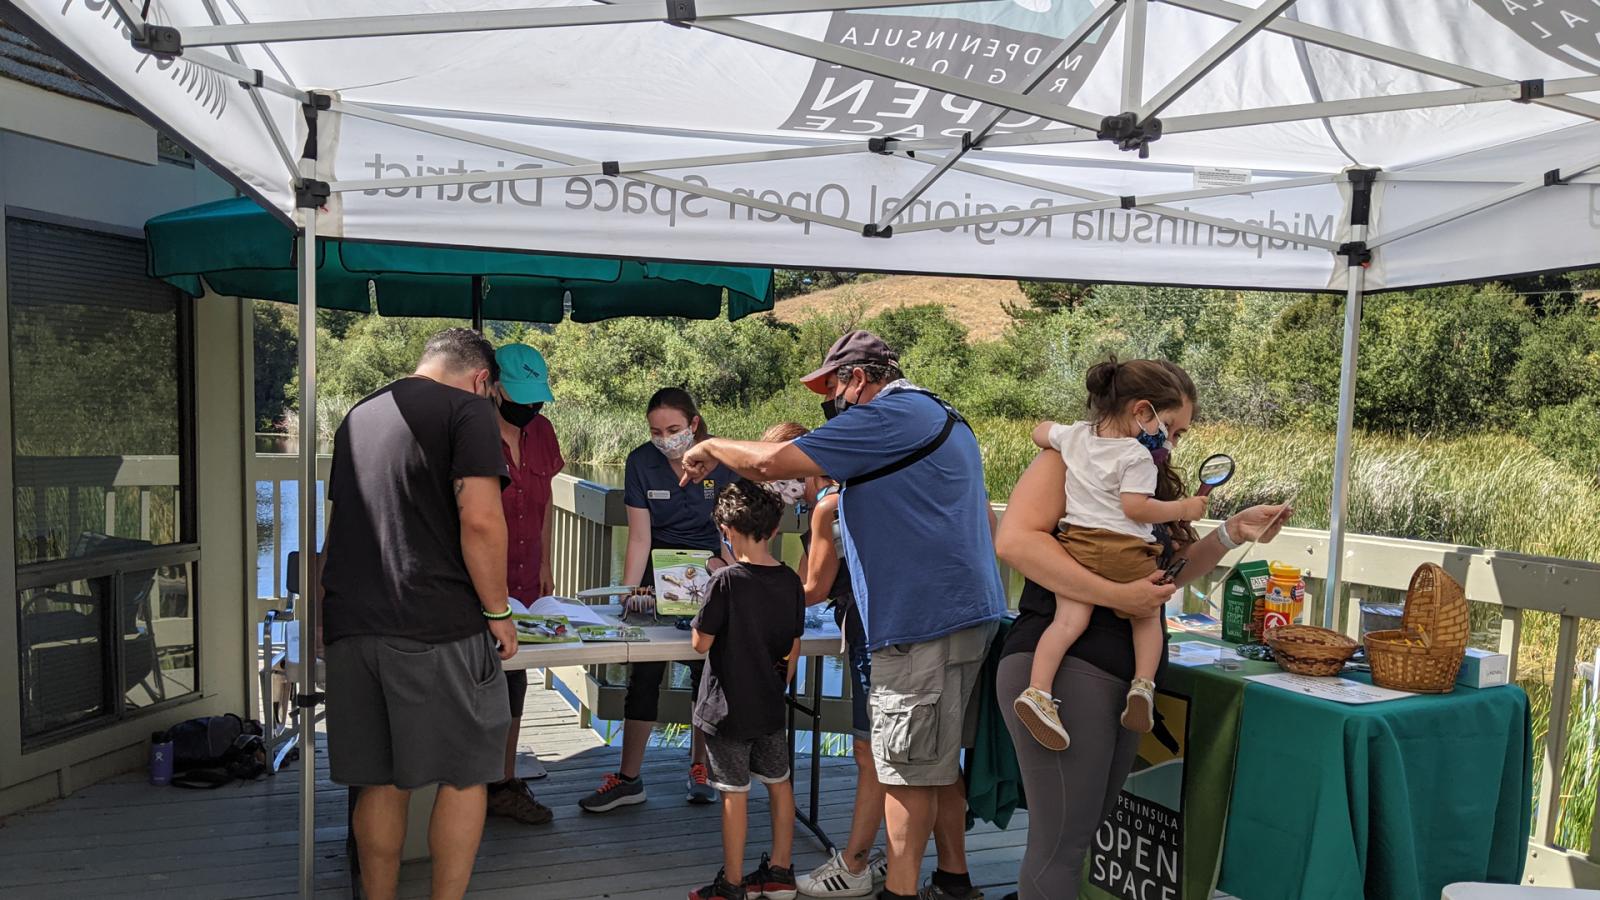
918,535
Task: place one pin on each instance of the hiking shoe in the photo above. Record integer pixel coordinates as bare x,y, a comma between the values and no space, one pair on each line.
514,800
768,880
1037,710
1139,713
931,891
720,889
699,785
612,793
834,879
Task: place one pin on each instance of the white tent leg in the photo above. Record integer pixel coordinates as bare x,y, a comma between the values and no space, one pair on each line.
1341,449
309,507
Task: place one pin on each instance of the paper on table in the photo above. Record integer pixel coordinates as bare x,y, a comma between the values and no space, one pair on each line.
1198,653
1340,690
576,613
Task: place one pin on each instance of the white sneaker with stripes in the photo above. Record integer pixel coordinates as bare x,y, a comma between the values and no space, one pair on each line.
834,879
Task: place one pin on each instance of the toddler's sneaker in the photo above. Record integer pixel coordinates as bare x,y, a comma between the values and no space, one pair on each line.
768,880
1037,710
1139,713
834,878
719,889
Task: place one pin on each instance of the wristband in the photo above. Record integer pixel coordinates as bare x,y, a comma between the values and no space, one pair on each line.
1226,539
497,616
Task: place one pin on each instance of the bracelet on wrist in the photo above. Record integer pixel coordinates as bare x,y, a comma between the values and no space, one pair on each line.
1225,538
497,616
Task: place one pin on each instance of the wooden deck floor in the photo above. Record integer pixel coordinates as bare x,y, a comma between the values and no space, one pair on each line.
125,839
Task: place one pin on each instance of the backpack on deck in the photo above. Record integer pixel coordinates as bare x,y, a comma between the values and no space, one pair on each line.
212,751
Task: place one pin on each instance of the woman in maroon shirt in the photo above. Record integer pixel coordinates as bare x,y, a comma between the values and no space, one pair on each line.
533,457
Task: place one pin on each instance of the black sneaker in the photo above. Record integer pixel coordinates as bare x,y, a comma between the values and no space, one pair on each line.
770,881
612,793
514,800
720,889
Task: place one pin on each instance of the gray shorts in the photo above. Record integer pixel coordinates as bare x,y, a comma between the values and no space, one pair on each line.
734,760
924,706
407,713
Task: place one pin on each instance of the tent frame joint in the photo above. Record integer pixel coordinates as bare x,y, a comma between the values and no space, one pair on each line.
610,168
872,230
1355,253
1129,133
1361,182
680,13
883,146
160,41
258,82
1532,89
1553,178
310,193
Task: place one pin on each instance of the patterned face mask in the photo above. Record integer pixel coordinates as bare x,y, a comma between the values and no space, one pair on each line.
674,446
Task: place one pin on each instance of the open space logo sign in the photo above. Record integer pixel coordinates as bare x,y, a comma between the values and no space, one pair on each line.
1568,30
998,44
1137,853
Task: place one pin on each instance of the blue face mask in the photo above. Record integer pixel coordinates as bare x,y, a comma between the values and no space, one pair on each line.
1157,441
729,546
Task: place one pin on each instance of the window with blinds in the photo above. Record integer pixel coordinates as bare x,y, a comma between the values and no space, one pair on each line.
101,383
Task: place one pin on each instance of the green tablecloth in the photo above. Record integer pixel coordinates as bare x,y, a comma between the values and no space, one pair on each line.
1390,800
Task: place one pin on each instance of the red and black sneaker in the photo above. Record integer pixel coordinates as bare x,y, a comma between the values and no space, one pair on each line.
719,889
768,880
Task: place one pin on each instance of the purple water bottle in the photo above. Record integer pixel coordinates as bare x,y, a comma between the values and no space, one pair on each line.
160,758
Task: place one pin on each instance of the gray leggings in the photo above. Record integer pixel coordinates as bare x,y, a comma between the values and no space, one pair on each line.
1069,792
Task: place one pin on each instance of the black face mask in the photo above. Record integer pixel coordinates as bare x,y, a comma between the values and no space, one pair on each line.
829,410
518,415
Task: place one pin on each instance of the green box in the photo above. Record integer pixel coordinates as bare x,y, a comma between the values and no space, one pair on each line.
1246,585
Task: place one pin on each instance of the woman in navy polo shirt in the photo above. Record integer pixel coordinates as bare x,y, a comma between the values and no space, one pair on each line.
662,516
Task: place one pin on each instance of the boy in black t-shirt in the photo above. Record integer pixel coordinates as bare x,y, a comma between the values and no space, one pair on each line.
750,629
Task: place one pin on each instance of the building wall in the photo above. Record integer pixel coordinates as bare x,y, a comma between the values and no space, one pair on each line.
108,191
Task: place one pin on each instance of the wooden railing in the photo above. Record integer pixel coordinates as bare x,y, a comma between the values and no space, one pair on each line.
587,515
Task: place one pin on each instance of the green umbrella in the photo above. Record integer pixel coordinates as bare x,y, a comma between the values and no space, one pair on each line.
239,250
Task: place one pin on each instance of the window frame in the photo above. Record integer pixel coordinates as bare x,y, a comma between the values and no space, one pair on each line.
183,552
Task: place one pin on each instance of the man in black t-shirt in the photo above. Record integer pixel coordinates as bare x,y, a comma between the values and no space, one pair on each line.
415,610
749,627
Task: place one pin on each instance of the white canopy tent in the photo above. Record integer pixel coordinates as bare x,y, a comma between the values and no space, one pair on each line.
1332,145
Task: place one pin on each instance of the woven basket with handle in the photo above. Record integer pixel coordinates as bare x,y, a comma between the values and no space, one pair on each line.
1425,654
1308,650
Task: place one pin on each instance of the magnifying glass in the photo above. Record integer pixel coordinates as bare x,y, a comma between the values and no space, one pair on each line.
1214,472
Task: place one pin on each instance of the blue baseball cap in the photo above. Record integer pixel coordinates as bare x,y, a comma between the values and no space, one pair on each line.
523,374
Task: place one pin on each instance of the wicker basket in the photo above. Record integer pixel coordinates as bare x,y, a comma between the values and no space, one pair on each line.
1308,650
1424,655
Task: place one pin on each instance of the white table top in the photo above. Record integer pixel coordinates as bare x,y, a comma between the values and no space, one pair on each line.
667,643
1475,891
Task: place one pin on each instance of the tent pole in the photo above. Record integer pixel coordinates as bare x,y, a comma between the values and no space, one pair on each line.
308,547
477,303
1356,256
310,195
1341,452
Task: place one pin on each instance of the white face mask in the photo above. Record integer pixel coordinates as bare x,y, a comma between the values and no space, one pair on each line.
792,490
674,446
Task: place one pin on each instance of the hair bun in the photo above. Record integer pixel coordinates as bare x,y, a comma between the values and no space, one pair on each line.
1101,379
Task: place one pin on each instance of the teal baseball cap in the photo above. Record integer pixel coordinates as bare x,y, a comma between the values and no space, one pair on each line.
523,374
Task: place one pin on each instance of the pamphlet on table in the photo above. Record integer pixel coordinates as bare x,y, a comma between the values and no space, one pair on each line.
682,581
551,620
1339,690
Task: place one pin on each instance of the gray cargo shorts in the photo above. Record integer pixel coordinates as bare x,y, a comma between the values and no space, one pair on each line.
924,706
406,713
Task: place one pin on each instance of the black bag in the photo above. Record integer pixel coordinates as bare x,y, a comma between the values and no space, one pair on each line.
211,751
201,743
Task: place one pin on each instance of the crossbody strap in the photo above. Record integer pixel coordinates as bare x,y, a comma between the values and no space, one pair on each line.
921,453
